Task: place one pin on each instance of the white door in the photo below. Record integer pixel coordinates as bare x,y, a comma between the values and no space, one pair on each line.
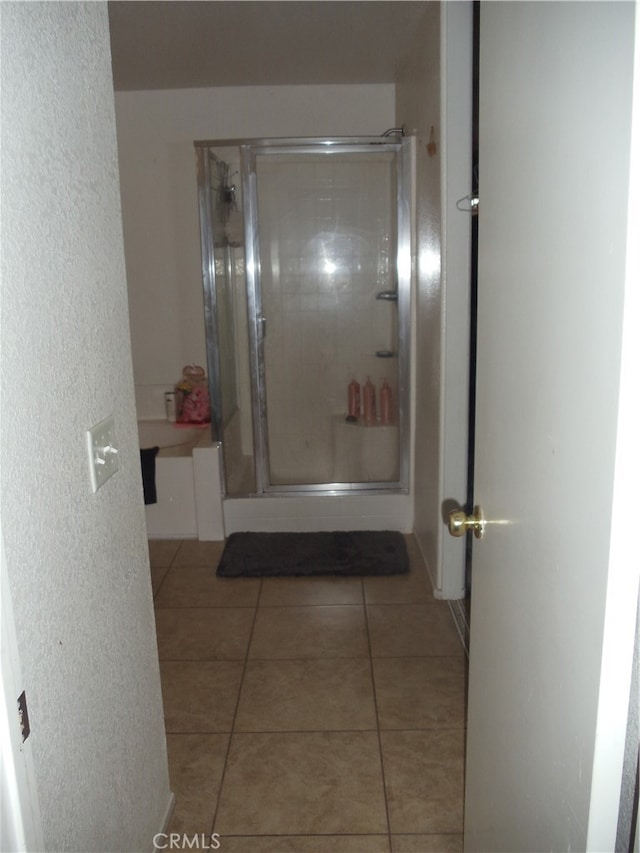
555,119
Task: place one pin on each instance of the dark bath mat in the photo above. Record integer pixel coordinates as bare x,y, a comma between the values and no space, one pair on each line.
354,553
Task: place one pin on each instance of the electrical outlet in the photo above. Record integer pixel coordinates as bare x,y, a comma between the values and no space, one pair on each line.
103,452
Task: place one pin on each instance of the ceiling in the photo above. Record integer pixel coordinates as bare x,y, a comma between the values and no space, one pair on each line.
185,44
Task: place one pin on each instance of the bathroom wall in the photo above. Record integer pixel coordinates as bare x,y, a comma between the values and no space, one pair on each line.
77,562
156,131
434,99
418,108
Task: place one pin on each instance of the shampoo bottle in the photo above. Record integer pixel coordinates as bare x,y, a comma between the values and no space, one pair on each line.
369,395
386,411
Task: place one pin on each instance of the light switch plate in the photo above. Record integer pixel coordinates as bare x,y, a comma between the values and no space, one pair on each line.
102,448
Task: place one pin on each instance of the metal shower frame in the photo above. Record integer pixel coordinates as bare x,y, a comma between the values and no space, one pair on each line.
249,149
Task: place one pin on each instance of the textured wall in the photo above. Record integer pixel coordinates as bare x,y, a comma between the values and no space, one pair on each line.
77,562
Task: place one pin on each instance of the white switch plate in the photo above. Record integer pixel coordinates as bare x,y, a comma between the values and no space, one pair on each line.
103,452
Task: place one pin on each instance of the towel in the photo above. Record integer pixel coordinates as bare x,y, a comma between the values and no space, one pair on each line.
148,463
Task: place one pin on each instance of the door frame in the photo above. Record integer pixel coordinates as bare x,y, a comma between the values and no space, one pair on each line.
456,185
616,706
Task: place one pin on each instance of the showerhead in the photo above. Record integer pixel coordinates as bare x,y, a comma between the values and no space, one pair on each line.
395,131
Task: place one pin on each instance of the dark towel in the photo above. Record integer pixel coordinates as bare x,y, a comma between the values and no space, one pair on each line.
148,463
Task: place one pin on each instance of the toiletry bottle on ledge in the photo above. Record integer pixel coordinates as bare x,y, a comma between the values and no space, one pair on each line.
192,397
386,410
170,405
354,399
369,397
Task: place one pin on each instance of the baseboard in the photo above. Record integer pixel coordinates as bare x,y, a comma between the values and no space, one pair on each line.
166,820
460,615
280,514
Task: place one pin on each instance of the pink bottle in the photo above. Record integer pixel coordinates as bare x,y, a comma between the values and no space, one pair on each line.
386,411
369,399
354,399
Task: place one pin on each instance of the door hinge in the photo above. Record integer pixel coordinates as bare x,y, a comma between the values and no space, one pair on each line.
23,716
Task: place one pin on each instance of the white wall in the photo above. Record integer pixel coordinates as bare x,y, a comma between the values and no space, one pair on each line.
456,87
436,92
77,563
156,131
418,108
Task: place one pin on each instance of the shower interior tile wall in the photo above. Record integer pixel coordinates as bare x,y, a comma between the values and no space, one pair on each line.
327,235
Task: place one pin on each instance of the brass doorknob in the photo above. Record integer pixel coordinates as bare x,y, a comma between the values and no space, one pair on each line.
460,522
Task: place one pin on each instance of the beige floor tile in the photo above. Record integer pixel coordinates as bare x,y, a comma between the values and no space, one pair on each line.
418,630
411,588
306,695
199,587
426,843
302,783
424,777
305,844
195,553
309,632
420,693
200,696
196,763
218,633
163,551
320,590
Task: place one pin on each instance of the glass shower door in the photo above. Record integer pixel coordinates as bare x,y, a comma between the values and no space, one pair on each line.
330,353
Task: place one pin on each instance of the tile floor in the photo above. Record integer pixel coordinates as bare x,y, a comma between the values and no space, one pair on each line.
318,715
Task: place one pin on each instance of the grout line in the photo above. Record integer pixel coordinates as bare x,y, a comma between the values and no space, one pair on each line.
175,556
235,711
328,604
245,606
208,606
419,602
168,569
259,660
160,585
241,732
375,703
458,656
315,835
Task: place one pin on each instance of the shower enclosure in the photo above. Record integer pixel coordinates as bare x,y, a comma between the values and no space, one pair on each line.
306,271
